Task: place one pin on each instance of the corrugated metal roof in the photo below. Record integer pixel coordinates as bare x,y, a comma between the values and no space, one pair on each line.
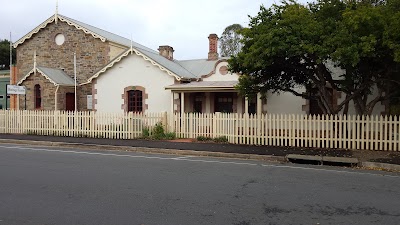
108,35
199,67
58,76
203,84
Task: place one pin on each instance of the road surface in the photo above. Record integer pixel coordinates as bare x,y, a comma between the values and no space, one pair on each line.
46,186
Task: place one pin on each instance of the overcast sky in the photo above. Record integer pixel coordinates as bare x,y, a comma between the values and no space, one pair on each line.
182,24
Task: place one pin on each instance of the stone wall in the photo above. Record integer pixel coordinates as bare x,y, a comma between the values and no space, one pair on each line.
61,99
47,93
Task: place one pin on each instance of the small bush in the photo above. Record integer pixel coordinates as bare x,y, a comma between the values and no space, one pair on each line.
170,136
158,132
146,132
203,138
221,139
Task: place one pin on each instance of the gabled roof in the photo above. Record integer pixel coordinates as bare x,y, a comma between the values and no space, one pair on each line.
125,54
103,35
56,76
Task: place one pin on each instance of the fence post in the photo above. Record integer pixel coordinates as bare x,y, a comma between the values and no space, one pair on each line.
164,121
214,122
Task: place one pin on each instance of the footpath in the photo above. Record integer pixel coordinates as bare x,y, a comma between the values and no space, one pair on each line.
386,160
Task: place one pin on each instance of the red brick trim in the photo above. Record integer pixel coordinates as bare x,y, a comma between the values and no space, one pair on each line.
124,96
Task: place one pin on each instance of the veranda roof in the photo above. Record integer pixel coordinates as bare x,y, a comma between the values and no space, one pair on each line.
204,86
56,76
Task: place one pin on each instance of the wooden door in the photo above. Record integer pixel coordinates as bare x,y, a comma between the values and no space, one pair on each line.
70,101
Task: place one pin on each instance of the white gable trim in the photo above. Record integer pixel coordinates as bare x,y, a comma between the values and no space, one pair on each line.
103,39
130,51
25,77
34,31
41,72
51,20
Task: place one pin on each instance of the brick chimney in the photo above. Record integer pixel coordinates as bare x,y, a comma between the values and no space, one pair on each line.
213,47
166,51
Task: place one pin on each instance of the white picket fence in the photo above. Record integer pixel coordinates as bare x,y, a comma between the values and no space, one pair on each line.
352,132
327,131
79,124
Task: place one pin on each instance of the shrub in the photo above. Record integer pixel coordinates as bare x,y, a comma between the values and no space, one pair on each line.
170,136
145,132
221,139
203,138
158,132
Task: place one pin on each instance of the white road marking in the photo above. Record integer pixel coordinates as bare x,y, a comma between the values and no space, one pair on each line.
327,170
183,157
130,156
190,159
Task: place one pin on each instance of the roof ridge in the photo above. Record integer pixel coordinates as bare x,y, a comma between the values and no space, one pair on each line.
185,60
177,62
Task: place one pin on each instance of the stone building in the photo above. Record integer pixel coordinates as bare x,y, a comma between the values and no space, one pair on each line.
45,62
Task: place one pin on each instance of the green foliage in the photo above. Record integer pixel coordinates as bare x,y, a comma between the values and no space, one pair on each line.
221,139
394,110
230,40
292,46
170,135
5,55
158,132
145,132
203,138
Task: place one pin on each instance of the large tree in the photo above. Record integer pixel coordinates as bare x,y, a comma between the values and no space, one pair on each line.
230,40
292,47
5,54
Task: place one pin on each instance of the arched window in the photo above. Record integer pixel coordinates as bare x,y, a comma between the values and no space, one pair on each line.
38,97
135,101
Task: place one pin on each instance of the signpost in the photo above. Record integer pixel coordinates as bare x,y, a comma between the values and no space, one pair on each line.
16,90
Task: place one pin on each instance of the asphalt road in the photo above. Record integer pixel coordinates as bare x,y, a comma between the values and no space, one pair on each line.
44,186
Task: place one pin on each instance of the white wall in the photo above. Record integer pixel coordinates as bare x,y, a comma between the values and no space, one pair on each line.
285,103
290,104
133,71
219,77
